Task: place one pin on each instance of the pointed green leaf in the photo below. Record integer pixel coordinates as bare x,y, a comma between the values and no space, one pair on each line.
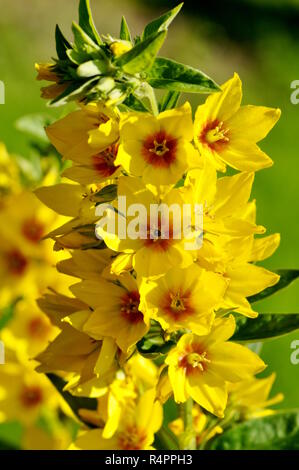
125,34
86,21
286,277
169,100
279,431
161,23
75,403
62,44
136,104
171,75
265,326
141,57
82,40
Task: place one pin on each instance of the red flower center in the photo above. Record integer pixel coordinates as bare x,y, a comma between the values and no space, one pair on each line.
31,396
16,262
33,230
160,237
177,305
214,134
132,438
103,162
159,150
38,328
195,359
130,307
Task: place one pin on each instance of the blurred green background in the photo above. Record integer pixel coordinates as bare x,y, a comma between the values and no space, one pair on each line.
256,38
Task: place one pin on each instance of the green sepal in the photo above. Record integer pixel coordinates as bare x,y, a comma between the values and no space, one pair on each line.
171,75
265,326
141,57
136,104
107,194
82,41
75,90
86,21
62,44
124,34
161,23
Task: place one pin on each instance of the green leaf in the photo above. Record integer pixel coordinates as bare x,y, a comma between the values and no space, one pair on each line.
265,326
161,23
169,100
125,34
82,41
7,313
75,403
286,277
86,21
33,125
62,44
171,75
141,57
107,194
134,103
10,435
279,431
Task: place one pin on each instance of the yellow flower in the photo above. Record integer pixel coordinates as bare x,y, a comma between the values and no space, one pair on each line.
24,393
53,91
92,364
84,134
183,298
136,429
251,397
152,255
157,148
201,366
29,331
46,72
227,133
116,310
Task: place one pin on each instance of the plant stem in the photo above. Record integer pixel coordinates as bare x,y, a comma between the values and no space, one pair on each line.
187,440
152,99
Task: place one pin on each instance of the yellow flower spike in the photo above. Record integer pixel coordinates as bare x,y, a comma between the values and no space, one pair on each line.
157,148
202,366
226,133
183,298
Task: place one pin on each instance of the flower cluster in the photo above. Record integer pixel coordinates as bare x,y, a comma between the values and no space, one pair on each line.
149,296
